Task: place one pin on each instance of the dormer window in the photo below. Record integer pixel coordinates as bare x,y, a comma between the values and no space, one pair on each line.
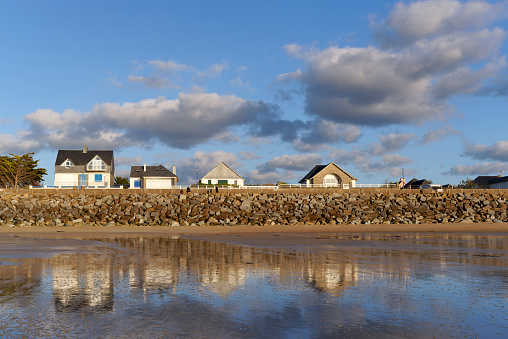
96,165
67,163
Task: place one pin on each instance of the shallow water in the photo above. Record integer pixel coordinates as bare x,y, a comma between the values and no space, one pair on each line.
301,285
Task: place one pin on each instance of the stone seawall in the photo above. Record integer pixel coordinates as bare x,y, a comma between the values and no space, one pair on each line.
74,208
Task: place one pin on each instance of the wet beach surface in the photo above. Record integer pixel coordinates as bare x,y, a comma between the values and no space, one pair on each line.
244,285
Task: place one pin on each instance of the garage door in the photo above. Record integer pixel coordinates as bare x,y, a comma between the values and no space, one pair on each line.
160,184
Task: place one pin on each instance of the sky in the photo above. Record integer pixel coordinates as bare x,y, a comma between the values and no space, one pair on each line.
271,88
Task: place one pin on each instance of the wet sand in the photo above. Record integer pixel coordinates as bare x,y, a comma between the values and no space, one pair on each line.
263,236
61,232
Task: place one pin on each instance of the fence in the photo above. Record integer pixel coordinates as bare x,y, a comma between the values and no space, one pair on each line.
205,188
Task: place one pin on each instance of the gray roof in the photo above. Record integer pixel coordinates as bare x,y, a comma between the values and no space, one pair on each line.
151,171
222,171
319,168
79,158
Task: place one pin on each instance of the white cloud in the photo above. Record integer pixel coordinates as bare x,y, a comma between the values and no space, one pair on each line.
169,66
390,143
438,135
497,152
153,81
424,19
255,177
296,162
486,168
248,155
191,119
213,70
128,161
441,56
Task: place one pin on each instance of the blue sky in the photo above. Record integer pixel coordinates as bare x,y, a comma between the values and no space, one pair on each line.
270,88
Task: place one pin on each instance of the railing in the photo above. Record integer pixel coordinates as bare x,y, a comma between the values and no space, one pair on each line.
376,186
78,186
213,187
344,186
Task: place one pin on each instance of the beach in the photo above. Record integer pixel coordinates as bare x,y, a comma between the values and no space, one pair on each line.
254,281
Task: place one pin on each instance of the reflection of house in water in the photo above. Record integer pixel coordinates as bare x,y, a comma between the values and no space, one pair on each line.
80,281
333,278
154,274
223,282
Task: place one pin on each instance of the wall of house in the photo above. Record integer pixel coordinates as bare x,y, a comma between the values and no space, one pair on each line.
72,179
344,178
238,182
500,185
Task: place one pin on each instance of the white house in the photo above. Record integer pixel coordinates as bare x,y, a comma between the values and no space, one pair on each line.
147,177
222,174
84,168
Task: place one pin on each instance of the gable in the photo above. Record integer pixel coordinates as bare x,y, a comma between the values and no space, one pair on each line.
319,168
222,171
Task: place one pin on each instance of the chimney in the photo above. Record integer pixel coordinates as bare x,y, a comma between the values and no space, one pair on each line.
174,169
85,149
144,167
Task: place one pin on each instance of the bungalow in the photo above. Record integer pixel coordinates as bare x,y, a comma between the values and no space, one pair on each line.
148,177
329,175
222,174
84,168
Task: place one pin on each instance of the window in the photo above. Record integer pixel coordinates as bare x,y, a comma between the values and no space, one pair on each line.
82,179
96,165
67,163
209,182
98,178
223,182
137,183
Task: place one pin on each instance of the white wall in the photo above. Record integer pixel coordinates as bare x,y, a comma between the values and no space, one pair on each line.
66,179
159,183
238,182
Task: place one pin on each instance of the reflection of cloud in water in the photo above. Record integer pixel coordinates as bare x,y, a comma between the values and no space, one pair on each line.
353,286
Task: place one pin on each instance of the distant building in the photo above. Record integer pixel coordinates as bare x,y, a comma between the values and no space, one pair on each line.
152,177
329,175
498,182
222,174
84,168
482,181
415,183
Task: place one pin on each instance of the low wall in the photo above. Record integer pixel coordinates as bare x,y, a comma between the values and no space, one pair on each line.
286,206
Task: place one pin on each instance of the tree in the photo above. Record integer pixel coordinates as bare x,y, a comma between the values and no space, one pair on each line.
467,183
20,170
121,181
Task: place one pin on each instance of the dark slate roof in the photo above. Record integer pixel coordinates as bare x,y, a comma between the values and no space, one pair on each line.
151,171
497,179
484,180
79,158
313,172
415,183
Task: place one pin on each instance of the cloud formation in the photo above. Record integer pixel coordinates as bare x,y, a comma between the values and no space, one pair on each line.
296,162
429,51
191,119
496,152
486,168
